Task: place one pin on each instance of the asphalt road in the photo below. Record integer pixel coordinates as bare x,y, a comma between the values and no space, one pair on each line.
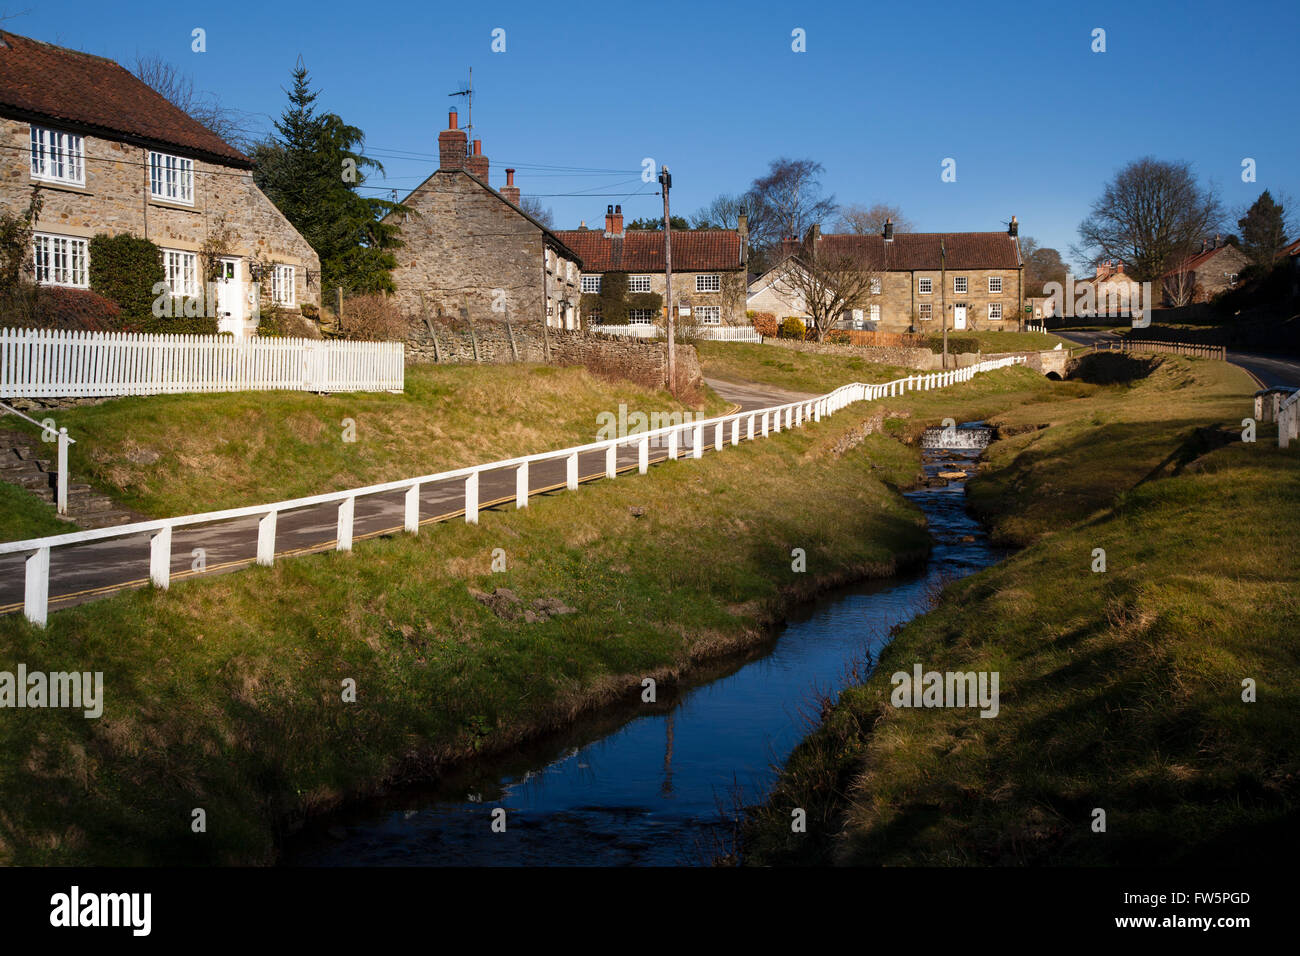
1269,370
85,572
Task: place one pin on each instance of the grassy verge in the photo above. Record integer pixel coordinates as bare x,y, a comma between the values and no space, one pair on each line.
178,454
989,341
1120,690
23,515
788,369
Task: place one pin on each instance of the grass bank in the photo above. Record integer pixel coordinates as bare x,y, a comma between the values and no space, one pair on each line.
789,369
168,455
1120,690
23,515
225,693
996,341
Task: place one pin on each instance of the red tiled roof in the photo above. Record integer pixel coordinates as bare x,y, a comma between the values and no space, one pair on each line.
921,250
1291,250
91,91
642,250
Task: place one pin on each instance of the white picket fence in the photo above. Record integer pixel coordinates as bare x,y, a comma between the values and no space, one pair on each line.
687,439
707,333
47,363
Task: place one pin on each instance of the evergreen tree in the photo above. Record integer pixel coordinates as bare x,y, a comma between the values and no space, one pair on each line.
312,170
1263,230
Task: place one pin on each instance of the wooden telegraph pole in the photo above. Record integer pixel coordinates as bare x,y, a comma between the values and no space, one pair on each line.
943,291
666,181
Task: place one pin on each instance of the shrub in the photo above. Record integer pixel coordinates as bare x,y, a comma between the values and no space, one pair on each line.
125,269
839,336
180,325
79,310
793,328
764,323
285,324
372,318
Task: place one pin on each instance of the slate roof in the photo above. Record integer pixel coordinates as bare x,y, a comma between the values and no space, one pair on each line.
642,250
99,96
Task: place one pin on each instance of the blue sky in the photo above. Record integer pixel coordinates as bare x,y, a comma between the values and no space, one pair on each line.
1035,120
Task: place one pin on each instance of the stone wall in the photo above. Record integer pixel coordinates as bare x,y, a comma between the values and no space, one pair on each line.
455,341
115,200
922,359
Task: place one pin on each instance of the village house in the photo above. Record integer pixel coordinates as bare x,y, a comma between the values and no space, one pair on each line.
975,279
471,250
109,155
1110,293
709,268
1201,276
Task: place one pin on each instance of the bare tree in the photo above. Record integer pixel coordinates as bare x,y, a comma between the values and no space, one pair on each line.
543,214
178,89
791,199
827,283
1180,280
1147,214
870,220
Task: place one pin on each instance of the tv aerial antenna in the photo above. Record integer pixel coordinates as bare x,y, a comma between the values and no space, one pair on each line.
467,91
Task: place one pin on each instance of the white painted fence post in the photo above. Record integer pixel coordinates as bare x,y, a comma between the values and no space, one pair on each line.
672,443
717,437
160,558
63,472
411,518
643,455
735,431
749,432
571,472
471,498
611,461
521,485
36,593
347,508
767,422
698,450
266,539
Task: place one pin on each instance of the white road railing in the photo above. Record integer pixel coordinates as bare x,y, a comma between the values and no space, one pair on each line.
1288,420
56,363
758,423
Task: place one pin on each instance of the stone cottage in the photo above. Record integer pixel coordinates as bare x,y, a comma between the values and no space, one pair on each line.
709,267
974,279
1201,276
110,155
469,247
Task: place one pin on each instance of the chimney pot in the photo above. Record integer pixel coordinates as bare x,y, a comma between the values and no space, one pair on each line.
451,145
510,177
452,119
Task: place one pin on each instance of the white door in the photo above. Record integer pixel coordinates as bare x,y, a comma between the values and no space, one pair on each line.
959,316
230,298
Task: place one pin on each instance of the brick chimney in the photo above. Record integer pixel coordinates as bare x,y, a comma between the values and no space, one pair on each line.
1105,270
1014,228
477,163
510,190
451,145
613,222
889,230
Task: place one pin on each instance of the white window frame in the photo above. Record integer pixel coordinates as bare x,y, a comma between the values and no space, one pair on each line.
924,285
708,314
171,178
182,271
57,157
638,283
283,290
591,285
995,289
61,260
925,311
641,317
959,289
873,312
708,282
875,287
995,311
